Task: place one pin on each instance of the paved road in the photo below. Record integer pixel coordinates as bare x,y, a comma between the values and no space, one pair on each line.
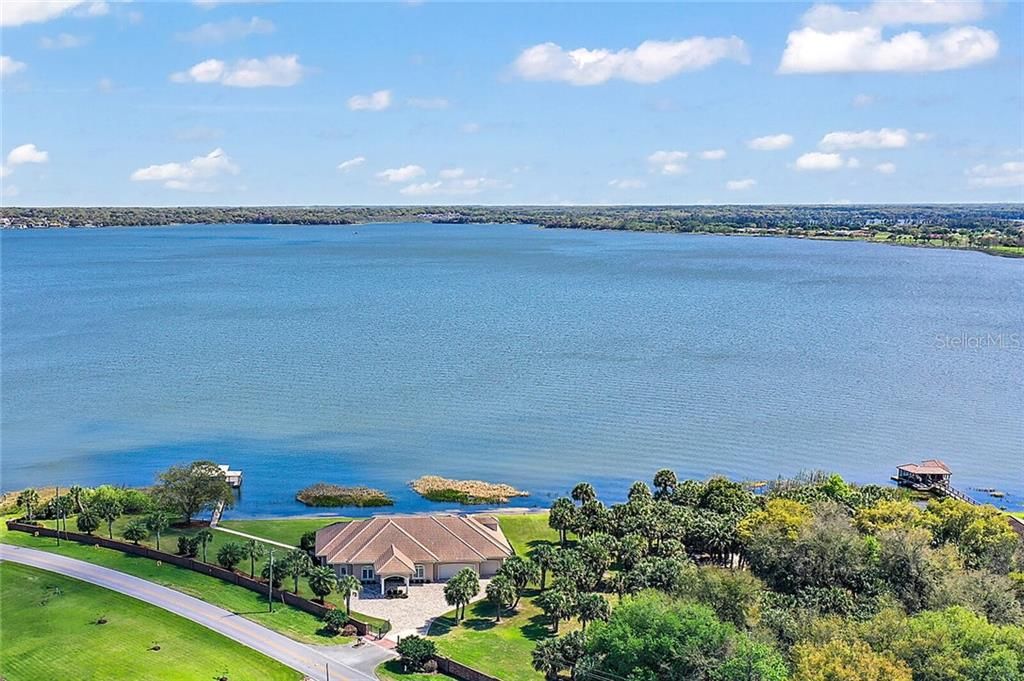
346,663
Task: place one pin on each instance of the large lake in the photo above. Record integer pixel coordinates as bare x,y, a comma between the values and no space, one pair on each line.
378,353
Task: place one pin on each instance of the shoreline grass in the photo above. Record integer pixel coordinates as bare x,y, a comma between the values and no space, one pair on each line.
326,495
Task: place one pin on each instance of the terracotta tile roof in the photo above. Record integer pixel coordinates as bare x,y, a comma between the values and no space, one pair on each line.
393,562
439,538
926,467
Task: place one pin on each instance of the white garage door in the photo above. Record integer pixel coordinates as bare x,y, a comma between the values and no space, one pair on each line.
490,568
448,571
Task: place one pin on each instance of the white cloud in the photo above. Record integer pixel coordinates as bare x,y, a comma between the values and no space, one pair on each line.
27,153
713,154
470,128
668,162
771,142
351,164
63,41
835,40
816,160
1008,174
10,66
378,101
740,185
853,162
451,173
627,183
5,171
452,187
886,168
861,101
403,174
828,17
886,138
19,12
195,175
210,4
421,189
812,51
652,61
105,85
428,102
273,71
232,29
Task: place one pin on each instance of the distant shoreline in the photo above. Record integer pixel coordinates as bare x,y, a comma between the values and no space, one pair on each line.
994,229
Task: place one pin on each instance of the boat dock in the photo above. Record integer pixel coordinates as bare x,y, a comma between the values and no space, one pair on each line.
234,478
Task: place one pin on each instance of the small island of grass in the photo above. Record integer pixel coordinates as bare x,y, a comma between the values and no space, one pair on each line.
323,494
436,488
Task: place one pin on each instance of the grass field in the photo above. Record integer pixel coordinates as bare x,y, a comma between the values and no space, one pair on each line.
290,621
504,650
285,530
47,631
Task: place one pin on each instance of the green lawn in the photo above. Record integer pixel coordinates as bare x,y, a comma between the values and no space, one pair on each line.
504,650
284,530
392,671
47,631
527,530
287,620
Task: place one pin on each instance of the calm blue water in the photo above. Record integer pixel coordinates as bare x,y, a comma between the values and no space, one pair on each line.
375,354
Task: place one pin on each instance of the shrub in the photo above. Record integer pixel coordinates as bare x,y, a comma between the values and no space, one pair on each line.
335,621
87,521
188,546
136,502
308,541
415,651
349,630
135,531
230,555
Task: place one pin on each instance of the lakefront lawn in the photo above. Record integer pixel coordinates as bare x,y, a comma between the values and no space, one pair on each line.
285,530
49,631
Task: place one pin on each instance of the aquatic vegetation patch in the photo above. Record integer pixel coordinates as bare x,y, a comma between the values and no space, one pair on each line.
436,488
324,494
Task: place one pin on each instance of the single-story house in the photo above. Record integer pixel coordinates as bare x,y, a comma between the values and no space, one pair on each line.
411,549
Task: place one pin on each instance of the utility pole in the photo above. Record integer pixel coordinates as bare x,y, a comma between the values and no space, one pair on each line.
270,582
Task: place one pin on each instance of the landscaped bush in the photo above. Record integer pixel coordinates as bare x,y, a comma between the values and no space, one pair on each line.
308,541
335,621
188,546
230,555
323,494
415,651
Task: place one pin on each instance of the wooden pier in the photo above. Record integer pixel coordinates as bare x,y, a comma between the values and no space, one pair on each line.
234,478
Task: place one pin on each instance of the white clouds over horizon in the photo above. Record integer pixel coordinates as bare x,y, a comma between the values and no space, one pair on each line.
9,66
377,101
668,162
62,41
272,71
223,31
403,174
741,185
713,155
26,153
817,160
1008,174
650,62
885,138
351,164
771,142
198,174
837,40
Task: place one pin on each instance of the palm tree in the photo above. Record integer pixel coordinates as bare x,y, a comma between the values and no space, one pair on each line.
157,522
321,581
204,537
253,551
348,585
460,590
501,591
591,607
297,564
109,510
76,493
28,498
547,658
544,556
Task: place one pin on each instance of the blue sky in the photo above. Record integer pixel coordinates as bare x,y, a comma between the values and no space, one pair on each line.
218,103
